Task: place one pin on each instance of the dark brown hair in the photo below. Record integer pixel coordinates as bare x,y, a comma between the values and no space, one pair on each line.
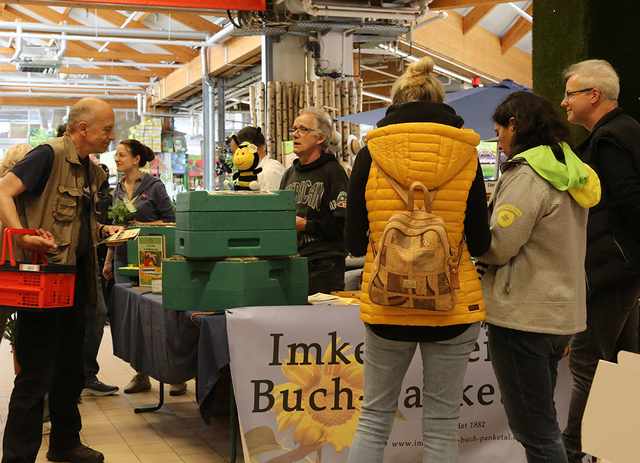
252,135
536,122
139,149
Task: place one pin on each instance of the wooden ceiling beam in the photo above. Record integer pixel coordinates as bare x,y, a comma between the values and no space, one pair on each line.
37,101
475,16
183,54
453,4
519,29
478,51
102,71
55,17
195,22
74,52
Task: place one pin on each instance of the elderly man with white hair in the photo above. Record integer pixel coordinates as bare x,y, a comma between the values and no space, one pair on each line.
613,241
320,184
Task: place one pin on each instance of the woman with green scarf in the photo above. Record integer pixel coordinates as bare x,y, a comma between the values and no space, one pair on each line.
534,285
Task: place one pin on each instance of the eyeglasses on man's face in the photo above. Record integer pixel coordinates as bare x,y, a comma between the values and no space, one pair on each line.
571,94
301,129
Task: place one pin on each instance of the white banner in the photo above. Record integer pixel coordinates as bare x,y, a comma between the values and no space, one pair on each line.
298,381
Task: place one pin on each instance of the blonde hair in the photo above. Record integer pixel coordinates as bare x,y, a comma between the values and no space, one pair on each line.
12,156
596,73
418,83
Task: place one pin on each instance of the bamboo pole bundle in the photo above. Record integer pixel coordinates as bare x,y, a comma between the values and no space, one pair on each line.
320,93
252,105
296,102
292,102
344,95
333,110
270,118
261,106
278,121
353,106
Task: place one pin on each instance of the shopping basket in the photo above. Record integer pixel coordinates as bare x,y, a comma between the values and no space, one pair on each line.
35,285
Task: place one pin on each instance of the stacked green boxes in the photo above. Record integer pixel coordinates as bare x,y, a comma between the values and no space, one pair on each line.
234,282
169,233
238,249
235,224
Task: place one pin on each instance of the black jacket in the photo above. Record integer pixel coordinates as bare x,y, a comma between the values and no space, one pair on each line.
613,233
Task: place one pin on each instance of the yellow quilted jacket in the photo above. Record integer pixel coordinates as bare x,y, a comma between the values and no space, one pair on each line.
444,158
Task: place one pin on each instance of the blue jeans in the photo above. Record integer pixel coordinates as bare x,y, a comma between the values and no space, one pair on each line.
444,365
526,366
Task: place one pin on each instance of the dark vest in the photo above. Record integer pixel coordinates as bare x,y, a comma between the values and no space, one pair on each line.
58,208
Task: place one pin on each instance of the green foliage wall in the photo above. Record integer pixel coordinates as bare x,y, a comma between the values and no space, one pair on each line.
567,31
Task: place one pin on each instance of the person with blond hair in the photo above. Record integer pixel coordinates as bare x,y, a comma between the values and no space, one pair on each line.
320,185
420,139
613,244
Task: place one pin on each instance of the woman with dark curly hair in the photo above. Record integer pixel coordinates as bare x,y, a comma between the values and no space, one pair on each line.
534,286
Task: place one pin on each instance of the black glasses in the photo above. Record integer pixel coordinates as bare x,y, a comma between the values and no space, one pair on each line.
568,95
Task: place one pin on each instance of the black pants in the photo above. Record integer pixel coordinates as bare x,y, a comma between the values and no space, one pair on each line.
95,319
326,274
526,366
612,326
49,349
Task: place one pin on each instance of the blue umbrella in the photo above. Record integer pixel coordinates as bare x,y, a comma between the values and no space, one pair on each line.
475,106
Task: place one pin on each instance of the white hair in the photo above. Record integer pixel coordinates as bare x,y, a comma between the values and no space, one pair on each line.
596,73
325,126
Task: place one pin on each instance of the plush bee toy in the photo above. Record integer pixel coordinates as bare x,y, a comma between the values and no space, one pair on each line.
246,160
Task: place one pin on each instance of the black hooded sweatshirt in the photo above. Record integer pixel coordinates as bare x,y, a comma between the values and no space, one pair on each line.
321,198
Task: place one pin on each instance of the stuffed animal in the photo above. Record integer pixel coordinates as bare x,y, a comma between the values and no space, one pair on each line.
246,160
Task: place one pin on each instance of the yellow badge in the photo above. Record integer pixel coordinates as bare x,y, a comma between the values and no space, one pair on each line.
507,214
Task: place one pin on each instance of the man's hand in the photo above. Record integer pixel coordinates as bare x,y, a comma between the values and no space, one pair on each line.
42,242
301,223
109,230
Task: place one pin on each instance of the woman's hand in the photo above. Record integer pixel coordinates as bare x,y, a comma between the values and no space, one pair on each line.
107,270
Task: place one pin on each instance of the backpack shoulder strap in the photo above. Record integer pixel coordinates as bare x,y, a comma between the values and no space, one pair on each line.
404,196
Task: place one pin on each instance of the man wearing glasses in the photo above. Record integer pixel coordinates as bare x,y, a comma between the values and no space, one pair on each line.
320,184
613,233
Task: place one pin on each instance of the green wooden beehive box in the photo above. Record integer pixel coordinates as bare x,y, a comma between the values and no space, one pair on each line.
236,282
235,224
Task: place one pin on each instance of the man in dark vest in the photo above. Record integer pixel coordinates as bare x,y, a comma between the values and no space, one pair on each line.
613,231
55,188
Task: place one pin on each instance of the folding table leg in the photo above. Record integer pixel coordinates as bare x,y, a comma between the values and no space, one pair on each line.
153,408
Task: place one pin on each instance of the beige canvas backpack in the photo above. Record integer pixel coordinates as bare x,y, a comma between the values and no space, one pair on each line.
414,266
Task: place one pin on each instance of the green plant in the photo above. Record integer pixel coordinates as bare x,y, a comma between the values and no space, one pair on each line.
121,212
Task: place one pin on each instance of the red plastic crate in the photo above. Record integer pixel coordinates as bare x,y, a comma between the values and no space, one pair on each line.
34,286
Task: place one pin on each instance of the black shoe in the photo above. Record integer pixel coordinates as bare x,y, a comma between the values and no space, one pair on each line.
79,454
97,388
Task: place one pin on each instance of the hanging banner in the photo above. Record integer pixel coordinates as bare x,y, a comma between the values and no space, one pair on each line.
298,378
200,5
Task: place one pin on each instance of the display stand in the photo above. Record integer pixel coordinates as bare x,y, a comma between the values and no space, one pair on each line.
153,408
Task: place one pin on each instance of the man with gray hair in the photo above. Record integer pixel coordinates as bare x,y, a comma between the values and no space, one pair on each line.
57,187
320,184
613,234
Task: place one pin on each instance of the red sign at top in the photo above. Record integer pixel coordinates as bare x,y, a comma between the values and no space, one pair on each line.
245,5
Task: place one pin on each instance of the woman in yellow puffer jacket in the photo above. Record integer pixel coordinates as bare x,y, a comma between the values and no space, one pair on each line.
420,139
